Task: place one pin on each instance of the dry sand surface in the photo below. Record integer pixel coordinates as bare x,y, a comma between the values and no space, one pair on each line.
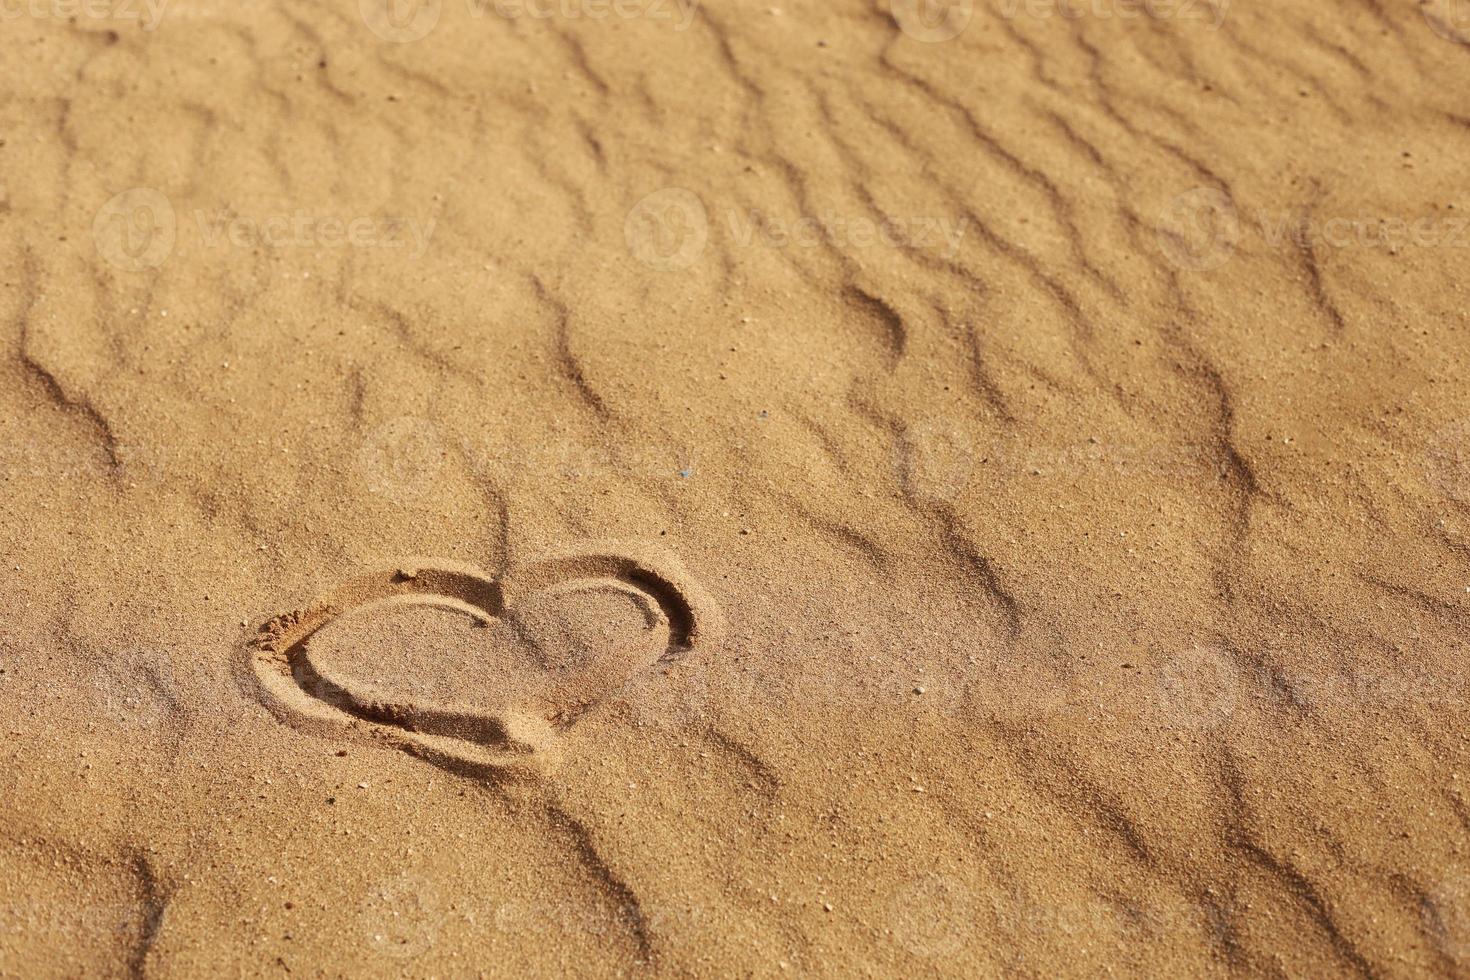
630,487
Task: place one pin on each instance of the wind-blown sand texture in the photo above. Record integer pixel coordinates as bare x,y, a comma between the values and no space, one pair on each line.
1011,468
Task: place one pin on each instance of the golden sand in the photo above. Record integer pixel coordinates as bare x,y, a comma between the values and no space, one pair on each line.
645,487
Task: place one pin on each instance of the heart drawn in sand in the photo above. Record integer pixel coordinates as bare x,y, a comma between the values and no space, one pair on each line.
588,623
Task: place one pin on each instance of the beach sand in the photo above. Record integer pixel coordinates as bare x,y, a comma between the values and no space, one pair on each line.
738,489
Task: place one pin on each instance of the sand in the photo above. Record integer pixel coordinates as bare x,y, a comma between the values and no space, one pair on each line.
735,489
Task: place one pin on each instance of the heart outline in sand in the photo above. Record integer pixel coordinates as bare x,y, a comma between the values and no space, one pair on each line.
507,745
